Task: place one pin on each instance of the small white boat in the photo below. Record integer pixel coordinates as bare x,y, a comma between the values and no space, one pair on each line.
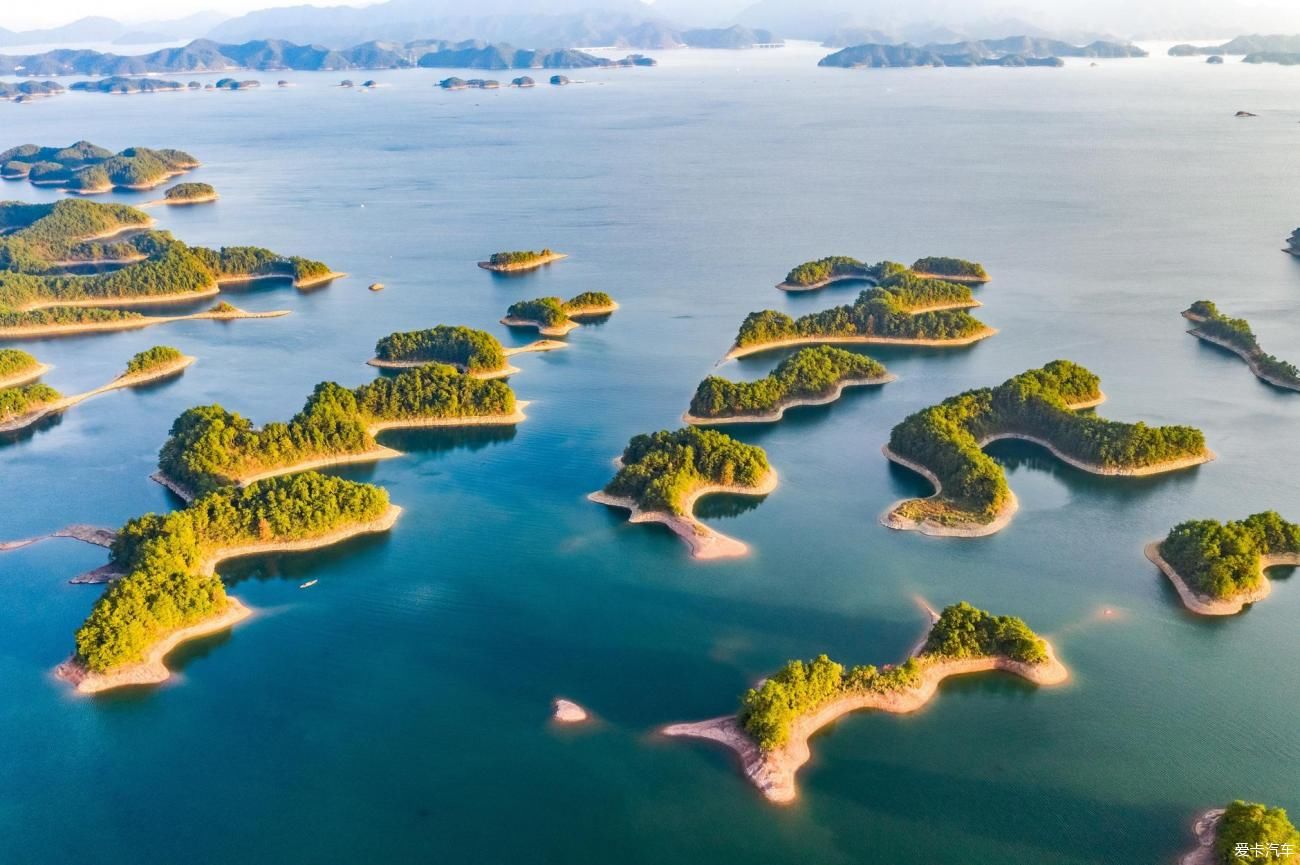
309,584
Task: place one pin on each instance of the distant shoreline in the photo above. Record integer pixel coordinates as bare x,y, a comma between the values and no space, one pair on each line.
36,331
779,412
152,670
704,542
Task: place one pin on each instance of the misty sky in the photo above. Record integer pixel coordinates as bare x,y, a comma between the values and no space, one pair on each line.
1125,17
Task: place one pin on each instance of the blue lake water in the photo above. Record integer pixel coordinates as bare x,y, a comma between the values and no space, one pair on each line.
398,711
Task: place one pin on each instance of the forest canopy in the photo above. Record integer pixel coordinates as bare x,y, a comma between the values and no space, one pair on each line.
808,373
661,469
1222,560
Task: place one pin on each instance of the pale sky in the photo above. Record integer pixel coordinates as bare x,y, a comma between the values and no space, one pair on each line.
16,15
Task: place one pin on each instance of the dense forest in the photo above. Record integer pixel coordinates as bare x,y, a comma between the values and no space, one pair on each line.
165,586
944,266
828,268
553,311
14,362
945,438
1237,332
210,447
800,687
1222,560
661,469
88,167
10,320
1263,831
884,311
472,350
808,373
152,359
519,256
18,401
189,192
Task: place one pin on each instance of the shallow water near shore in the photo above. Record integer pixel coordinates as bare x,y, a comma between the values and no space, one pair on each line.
398,711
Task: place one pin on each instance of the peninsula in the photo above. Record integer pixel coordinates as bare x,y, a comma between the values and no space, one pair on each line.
190,193
904,309
1236,336
770,733
87,168
26,91
67,320
944,443
1266,833
555,317
19,367
520,260
210,447
810,376
169,592
475,352
20,407
813,275
1218,568
1014,51
663,474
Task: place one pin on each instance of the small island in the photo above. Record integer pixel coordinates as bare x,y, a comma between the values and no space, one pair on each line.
903,309
523,81
951,269
236,84
210,447
121,85
1235,335
813,275
1244,833
26,91
568,712
663,474
87,168
20,407
190,193
552,316
169,592
811,376
944,444
770,733
455,83
475,352
1218,568
19,367
520,260
561,80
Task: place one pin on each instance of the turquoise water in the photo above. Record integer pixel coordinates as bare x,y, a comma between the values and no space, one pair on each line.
398,711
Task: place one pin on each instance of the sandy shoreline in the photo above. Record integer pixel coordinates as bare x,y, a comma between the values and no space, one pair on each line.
890,519
704,542
522,266
130,323
152,670
1204,604
564,327
743,351
779,412
1206,830
96,535
795,288
1109,471
773,772
25,420
966,280
240,278
29,374
504,372
1251,360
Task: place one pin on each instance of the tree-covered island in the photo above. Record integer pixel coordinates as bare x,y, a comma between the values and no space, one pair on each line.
661,476
169,591
42,245
951,269
22,406
811,376
1236,336
190,193
87,168
555,317
520,260
770,732
210,447
18,367
1244,833
476,352
1218,568
902,308
945,444
812,275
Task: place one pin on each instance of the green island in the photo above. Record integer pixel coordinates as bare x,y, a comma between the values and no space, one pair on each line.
1244,833
209,447
952,269
661,475
22,406
1235,335
1218,568
944,443
555,317
190,193
18,367
524,259
87,168
475,352
42,246
903,308
770,732
811,376
812,275
168,591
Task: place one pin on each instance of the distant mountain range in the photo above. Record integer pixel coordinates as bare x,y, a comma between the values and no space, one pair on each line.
204,55
1252,44
100,29
1012,51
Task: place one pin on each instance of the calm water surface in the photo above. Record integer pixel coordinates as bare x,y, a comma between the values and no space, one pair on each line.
398,711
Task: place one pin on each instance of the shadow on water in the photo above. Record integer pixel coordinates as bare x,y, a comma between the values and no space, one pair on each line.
1233,358
49,422
1013,454
296,566
721,506
435,440
801,418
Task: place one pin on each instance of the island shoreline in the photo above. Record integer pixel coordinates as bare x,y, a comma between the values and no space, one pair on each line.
778,413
